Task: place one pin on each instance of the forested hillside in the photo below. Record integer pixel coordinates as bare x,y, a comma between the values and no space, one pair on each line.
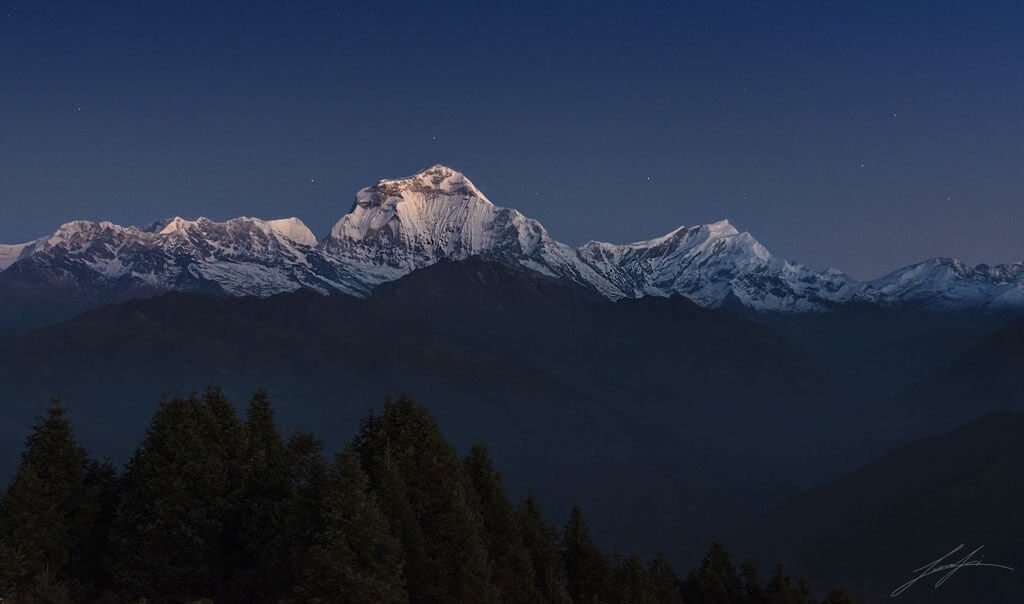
214,506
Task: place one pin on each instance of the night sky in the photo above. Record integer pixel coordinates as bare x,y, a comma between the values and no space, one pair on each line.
860,135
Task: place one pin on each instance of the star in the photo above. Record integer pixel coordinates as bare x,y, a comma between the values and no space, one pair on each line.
312,180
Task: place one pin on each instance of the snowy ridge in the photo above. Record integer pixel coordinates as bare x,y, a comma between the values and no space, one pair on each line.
711,264
9,254
948,284
400,225
243,256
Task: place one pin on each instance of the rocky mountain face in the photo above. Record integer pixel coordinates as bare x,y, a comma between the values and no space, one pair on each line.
402,225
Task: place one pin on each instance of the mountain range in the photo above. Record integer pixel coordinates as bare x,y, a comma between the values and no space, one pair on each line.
701,418
401,225
622,405
693,378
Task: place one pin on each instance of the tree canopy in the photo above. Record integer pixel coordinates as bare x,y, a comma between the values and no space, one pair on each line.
222,508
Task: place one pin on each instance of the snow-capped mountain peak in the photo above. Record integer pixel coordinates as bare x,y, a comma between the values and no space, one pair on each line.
79,232
437,178
294,229
174,226
422,204
949,284
710,264
403,224
722,228
290,229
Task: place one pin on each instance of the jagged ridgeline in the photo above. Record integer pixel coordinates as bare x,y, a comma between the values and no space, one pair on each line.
217,507
401,225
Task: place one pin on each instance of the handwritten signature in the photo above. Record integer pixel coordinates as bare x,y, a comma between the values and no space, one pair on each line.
949,568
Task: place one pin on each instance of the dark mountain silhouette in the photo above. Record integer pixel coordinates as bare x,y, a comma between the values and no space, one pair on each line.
654,404
699,418
873,528
985,377
876,351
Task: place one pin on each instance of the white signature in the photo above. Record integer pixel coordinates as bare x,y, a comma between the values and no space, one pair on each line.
951,567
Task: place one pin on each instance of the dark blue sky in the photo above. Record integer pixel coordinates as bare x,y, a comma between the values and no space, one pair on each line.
861,135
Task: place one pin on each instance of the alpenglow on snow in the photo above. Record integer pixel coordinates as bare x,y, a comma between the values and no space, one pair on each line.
400,225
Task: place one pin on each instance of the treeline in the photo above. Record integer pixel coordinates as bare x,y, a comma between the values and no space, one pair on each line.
213,506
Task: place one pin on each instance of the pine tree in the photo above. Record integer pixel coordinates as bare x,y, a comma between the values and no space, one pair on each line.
511,569
180,492
665,586
225,418
780,589
224,434
308,475
540,538
440,499
102,485
211,506
715,581
355,558
255,533
839,596
753,586
45,513
586,567
47,587
12,567
631,582
393,496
